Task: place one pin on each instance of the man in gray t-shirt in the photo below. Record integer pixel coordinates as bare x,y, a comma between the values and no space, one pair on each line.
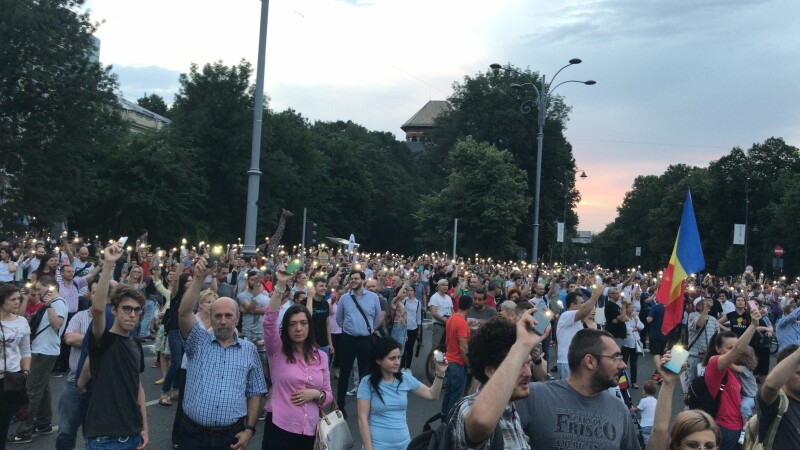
579,412
479,313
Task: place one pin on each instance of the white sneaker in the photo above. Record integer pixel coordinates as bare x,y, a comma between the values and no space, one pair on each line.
352,392
741,437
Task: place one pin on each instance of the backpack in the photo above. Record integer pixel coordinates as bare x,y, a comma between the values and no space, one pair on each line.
36,320
751,441
441,438
700,398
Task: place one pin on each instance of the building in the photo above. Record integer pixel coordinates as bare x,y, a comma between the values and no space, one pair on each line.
422,121
139,118
582,237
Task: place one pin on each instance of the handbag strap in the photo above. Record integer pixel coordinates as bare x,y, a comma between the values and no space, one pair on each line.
3,332
355,300
721,390
322,410
702,332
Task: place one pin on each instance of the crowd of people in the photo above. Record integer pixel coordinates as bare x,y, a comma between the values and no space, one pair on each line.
526,356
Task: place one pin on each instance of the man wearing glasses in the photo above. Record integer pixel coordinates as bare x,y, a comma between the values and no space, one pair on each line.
117,412
579,411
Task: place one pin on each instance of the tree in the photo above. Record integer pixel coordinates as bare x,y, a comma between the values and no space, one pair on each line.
486,192
487,109
155,103
58,110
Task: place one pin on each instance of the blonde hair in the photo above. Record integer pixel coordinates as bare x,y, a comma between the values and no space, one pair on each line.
689,422
747,358
205,295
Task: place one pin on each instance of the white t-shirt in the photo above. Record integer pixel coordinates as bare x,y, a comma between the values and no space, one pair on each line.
16,335
6,275
728,306
566,329
48,342
444,305
648,407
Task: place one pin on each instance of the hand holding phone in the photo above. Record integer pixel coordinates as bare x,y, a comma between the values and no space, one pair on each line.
753,305
542,321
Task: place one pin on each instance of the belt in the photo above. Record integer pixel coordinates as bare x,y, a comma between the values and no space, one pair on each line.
237,426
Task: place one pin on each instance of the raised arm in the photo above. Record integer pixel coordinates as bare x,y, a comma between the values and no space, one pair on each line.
111,254
725,361
186,309
588,306
659,437
779,376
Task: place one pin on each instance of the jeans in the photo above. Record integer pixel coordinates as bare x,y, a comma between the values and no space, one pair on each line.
746,408
456,382
278,438
176,351
629,354
38,389
72,408
113,442
9,403
646,434
351,349
563,370
191,438
399,334
149,313
408,351
730,439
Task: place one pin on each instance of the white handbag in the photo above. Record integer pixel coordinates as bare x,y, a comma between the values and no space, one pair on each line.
639,348
332,431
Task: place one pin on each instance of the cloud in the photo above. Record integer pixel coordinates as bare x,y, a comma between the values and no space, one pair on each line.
135,81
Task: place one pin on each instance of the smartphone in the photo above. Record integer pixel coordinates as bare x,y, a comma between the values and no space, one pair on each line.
122,241
753,305
293,266
438,356
542,321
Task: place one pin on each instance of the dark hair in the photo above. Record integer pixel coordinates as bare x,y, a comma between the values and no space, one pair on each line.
690,422
489,345
481,291
716,340
786,352
464,302
360,273
588,341
493,285
381,350
310,349
319,280
40,273
572,298
297,295
123,291
6,291
47,281
649,387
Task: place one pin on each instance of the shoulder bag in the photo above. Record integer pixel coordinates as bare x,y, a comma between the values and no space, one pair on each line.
332,431
12,381
375,337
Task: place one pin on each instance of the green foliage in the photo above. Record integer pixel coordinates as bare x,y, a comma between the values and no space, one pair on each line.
155,103
650,213
486,192
57,109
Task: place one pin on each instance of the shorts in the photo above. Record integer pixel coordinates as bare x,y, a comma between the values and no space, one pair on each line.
657,347
161,341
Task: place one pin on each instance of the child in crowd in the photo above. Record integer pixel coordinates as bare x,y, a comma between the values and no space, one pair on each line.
743,368
647,408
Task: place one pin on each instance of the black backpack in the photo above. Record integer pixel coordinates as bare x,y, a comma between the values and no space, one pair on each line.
36,320
442,439
700,398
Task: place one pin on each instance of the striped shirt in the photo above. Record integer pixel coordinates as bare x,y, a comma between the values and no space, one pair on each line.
78,324
219,380
514,438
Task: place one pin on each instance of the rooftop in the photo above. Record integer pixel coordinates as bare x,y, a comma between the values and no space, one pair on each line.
426,116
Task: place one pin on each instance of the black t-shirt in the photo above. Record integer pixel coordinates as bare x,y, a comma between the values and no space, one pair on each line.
716,309
319,321
738,322
617,329
787,435
116,362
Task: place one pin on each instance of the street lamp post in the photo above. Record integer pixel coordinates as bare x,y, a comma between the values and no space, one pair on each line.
542,96
566,199
729,180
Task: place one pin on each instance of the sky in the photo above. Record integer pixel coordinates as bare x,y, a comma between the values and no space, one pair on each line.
677,81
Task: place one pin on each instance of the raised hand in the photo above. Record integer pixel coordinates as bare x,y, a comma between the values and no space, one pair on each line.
112,253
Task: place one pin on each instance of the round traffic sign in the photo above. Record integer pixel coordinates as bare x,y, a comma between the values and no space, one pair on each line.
777,251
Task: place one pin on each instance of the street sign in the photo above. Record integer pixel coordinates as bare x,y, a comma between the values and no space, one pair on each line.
777,251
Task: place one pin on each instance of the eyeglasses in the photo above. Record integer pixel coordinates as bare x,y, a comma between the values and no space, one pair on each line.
699,446
617,357
127,309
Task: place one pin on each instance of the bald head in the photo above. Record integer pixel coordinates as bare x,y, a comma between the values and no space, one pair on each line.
224,317
224,303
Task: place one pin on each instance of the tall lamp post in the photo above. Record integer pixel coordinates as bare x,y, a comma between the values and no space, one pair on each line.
542,97
729,180
566,200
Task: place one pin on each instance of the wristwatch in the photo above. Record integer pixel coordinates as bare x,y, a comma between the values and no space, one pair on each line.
251,428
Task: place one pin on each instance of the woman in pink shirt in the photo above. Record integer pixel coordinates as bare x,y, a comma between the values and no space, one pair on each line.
299,371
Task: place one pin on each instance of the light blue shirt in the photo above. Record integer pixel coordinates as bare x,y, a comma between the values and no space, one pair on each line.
350,319
387,418
787,329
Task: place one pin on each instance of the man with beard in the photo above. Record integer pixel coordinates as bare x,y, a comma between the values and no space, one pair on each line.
500,359
580,412
359,314
219,411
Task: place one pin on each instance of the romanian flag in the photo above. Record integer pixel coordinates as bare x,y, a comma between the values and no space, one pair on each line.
687,258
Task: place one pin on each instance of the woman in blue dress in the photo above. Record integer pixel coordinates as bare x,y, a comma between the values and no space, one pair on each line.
383,398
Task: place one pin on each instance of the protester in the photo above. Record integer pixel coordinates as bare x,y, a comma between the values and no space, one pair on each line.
457,342
414,312
320,311
218,413
647,408
787,328
174,341
116,416
16,349
569,324
299,370
702,328
441,308
725,350
479,313
383,398
782,381
399,321
571,412
629,353
500,359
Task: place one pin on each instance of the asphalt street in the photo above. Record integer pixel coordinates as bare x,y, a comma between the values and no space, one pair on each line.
161,418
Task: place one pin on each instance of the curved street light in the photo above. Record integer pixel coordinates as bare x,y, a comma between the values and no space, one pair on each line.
540,100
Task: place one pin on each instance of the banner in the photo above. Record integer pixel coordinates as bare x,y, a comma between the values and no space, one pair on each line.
738,234
560,233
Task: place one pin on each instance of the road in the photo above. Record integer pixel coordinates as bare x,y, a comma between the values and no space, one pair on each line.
161,418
